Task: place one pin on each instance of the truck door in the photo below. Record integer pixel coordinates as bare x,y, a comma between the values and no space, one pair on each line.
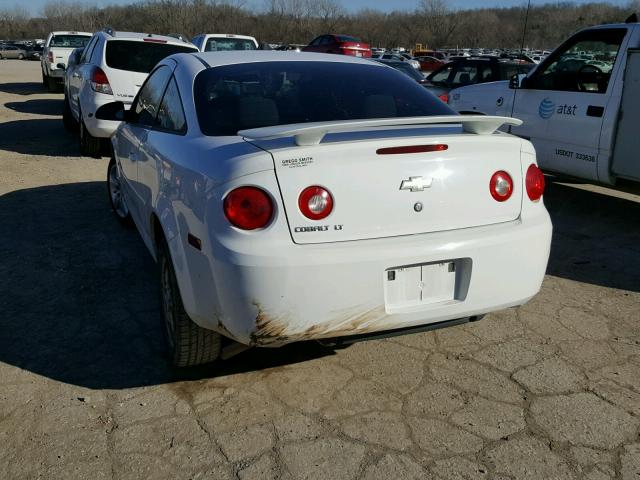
626,162
563,102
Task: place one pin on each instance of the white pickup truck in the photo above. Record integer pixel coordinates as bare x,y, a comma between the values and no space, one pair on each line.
55,56
579,106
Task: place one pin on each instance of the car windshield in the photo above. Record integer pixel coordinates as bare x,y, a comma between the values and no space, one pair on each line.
140,57
236,97
223,44
69,41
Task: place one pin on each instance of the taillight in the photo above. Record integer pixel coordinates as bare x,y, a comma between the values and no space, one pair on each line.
315,203
50,56
100,82
444,97
438,147
501,186
534,183
248,208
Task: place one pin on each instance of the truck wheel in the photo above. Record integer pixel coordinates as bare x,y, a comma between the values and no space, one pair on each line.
116,196
70,123
52,85
90,146
188,344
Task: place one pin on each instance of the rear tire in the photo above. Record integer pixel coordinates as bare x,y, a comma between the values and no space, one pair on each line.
116,195
52,85
90,146
188,344
70,123
45,80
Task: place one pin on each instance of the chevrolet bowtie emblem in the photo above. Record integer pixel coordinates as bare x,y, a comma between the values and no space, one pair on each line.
416,184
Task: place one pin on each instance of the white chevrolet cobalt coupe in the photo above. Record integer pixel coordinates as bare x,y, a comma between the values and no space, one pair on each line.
297,196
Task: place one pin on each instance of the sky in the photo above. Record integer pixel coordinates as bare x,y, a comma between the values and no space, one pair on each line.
35,6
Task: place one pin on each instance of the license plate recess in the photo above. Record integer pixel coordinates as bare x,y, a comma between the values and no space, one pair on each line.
426,283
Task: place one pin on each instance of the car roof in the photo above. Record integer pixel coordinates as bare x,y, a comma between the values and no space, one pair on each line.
117,35
62,32
214,59
226,35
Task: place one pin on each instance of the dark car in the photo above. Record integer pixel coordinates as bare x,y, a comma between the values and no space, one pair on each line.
34,53
405,68
470,71
341,44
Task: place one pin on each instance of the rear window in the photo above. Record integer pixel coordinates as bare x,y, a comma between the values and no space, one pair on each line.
235,97
69,41
407,69
140,56
223,44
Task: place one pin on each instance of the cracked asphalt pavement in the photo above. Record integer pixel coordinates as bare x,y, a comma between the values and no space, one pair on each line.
550,390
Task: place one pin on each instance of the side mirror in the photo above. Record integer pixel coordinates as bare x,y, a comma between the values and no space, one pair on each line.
517,81
112,111
61,66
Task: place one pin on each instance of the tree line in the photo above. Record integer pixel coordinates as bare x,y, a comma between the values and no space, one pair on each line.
432,23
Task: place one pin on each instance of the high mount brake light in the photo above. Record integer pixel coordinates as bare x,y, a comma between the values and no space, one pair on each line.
248,208
315,202
534,182
440,147
501,186
100,82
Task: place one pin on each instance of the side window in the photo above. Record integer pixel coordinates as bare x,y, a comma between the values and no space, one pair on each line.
582,64
96,52
442,76
465,75
171,115
316,41
145,106
86,53
325,40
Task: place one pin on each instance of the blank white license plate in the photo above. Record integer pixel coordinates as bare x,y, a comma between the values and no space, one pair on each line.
358,54
420,284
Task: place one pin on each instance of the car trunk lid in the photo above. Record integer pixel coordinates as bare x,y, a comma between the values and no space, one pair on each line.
378,193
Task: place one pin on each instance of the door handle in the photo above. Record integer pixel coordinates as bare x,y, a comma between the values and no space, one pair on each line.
595,111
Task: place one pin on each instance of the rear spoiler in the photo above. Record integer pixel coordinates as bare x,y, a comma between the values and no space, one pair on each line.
313,133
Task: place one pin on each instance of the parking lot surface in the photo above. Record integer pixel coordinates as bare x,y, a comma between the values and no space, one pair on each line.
549,390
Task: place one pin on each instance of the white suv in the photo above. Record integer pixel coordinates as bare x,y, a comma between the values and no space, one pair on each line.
112,67
221,42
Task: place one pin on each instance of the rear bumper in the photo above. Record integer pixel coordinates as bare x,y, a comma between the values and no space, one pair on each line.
57,73
90,102
336,290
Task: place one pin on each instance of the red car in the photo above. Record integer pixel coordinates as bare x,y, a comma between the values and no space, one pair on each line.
429,64
341,44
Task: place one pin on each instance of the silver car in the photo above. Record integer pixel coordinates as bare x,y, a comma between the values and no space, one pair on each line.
11,51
